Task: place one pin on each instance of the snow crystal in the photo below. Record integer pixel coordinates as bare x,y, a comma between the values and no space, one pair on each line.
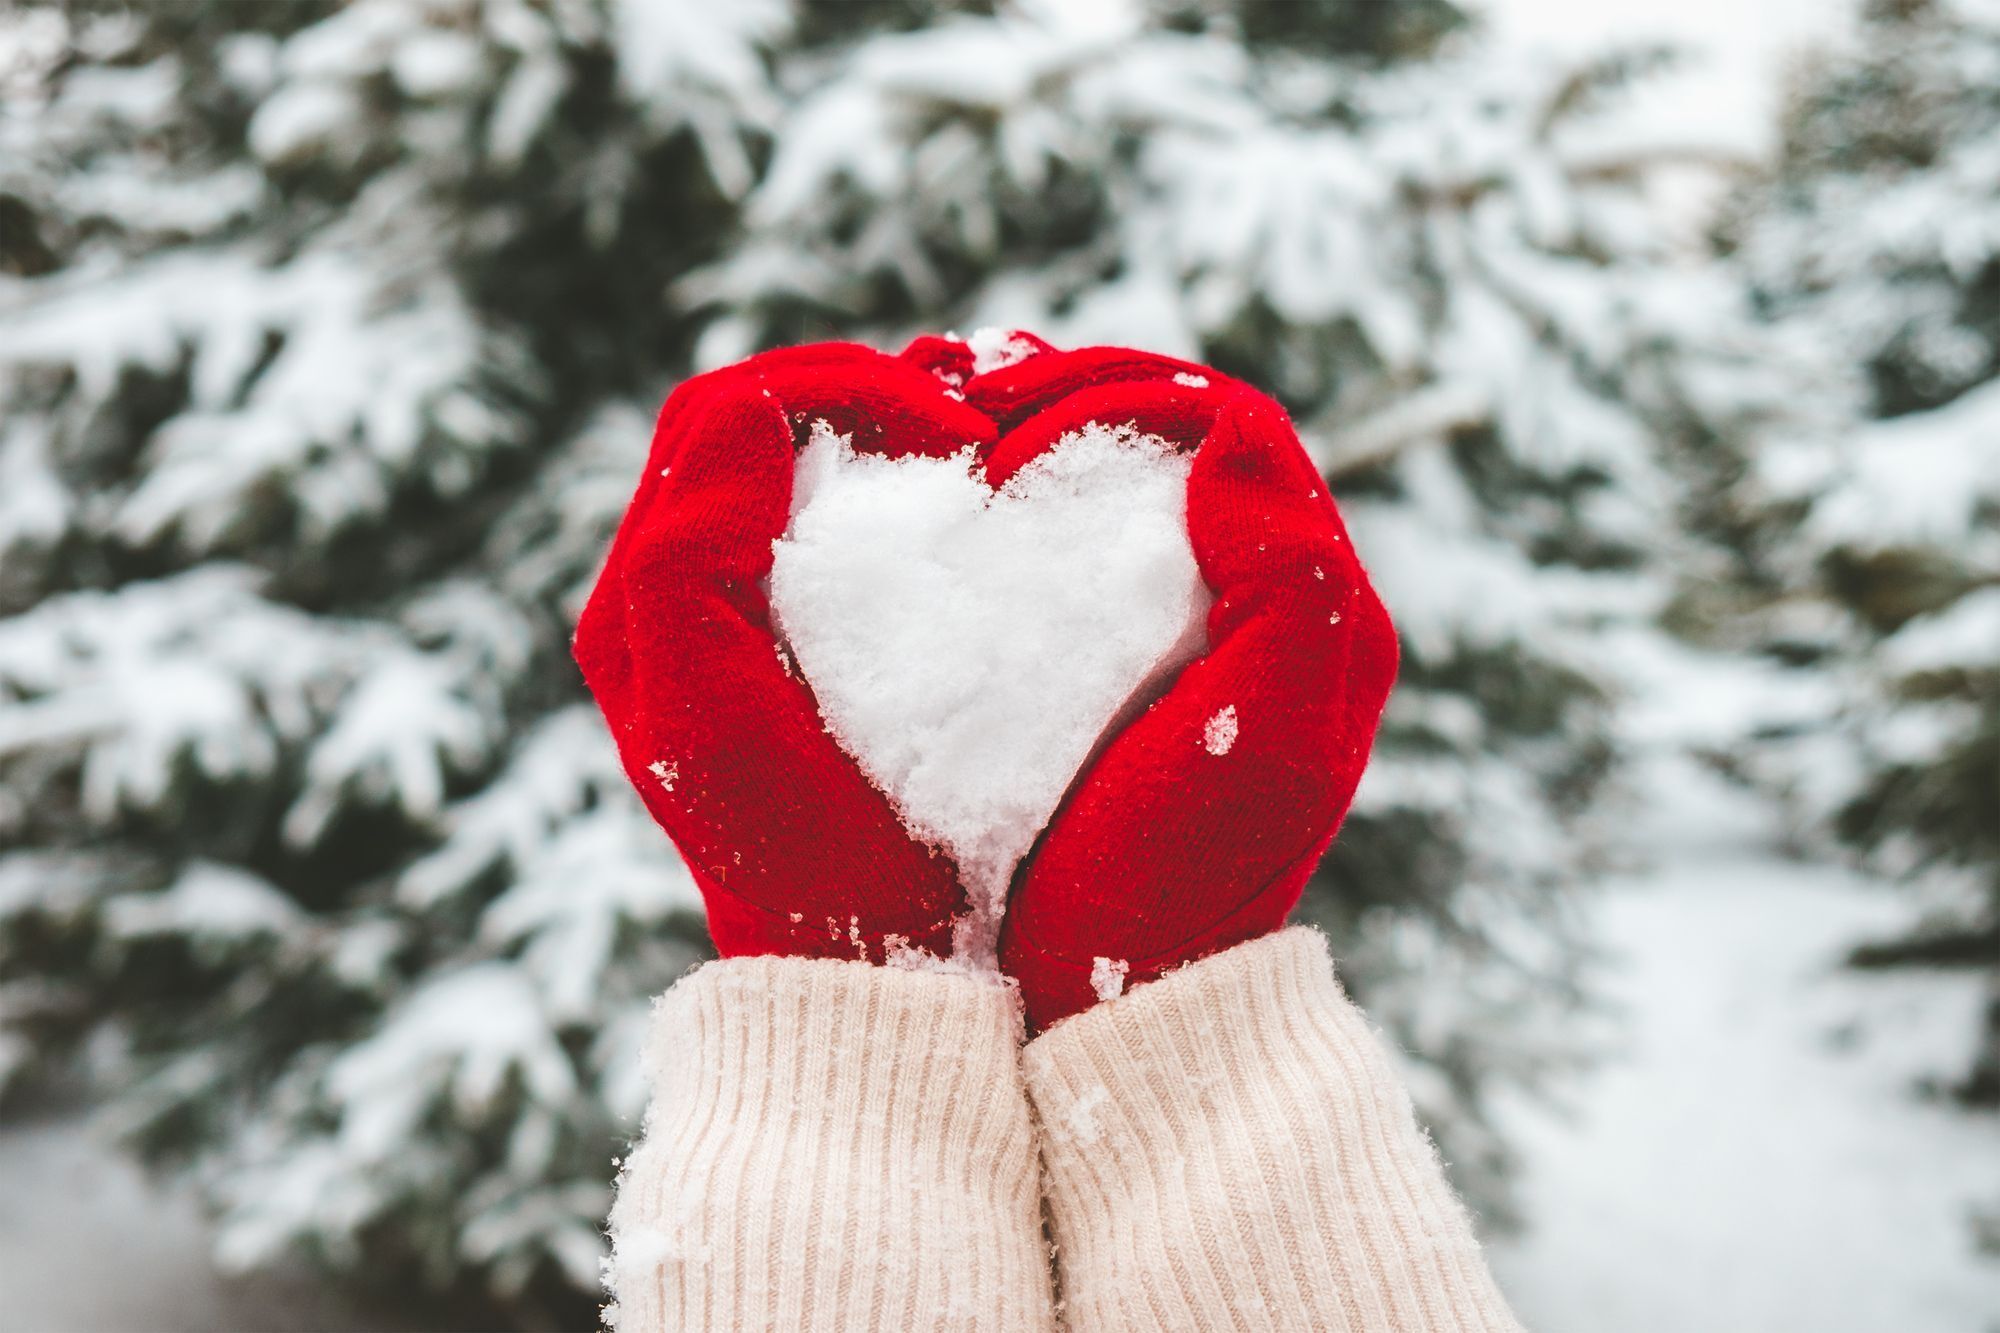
1107,977
1220,734
665,772
1191,381
971,648
997,349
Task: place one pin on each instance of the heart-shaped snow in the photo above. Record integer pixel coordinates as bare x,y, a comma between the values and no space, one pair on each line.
971,648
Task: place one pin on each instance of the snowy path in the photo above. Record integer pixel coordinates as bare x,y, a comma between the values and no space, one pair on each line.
88,1246
1755,1161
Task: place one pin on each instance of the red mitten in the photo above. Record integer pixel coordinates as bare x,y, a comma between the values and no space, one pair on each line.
1197,826
794,850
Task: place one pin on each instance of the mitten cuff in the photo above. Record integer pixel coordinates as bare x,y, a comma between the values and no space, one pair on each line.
831,1145
1229,1147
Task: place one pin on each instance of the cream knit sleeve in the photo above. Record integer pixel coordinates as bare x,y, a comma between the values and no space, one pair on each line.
1228,1148
832,1146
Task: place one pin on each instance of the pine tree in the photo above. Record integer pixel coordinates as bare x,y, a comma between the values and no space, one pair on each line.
322,345
1877,243
328,336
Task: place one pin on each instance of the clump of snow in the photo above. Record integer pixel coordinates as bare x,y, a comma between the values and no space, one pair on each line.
208,901
1219,735
1965,634
970,648
1916,478
1182,377
1107,977
997,349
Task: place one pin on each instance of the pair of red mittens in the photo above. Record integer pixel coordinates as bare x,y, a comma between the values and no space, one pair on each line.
1193,829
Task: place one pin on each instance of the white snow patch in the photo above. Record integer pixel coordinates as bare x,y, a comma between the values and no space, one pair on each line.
208,900
1191,381
1107,977
1965,634
458,1037
1920,478
667,773
1758,1156
971,648
1219,736
997,349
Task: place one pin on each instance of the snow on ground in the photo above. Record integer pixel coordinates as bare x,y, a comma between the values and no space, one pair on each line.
87,1245
1755,1156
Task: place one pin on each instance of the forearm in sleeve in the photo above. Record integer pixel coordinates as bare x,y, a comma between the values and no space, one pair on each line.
1228,1148
832,1146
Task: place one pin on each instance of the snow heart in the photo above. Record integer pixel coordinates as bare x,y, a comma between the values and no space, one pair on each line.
971,648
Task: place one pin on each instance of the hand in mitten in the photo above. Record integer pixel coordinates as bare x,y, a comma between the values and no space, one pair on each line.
793,850
1198,825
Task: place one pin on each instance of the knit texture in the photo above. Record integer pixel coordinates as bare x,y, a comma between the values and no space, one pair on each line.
832,1146
1229,1148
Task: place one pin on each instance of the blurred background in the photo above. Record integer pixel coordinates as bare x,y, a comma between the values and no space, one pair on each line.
1652,348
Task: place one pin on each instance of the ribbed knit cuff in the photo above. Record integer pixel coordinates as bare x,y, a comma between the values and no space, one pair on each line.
1229,1148
831,1145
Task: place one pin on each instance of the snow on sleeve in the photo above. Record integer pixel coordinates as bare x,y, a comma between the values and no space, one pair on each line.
1079,1120
1107,976
969,648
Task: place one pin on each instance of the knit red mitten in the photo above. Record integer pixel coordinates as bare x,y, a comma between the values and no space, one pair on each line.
1197,826
795,852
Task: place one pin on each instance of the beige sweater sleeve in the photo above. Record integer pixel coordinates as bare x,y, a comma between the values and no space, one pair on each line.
1229,1148
832,1146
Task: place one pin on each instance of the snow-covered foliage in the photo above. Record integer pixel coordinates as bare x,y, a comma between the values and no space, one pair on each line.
314,324
1878,243
328,335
